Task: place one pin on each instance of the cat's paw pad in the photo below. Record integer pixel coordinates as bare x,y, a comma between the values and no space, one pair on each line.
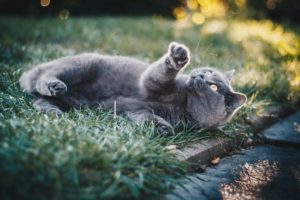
164,129
57,88
178,56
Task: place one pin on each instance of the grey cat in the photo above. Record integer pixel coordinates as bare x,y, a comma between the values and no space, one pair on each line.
141,91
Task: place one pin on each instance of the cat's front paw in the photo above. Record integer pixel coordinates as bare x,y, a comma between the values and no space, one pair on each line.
164,129
57,88
178,56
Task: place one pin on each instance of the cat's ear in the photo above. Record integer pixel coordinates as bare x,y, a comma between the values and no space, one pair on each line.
238,100
229,74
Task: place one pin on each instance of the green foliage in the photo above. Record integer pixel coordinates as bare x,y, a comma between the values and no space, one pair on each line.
85,154
88,154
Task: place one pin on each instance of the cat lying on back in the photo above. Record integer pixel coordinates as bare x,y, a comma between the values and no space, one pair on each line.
143,92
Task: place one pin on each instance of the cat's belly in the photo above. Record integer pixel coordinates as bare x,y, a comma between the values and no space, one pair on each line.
95,94
108,85
104,77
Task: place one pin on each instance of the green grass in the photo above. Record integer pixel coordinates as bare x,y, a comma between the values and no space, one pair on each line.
88,154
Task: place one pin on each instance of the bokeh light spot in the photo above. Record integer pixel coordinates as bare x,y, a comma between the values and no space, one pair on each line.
64,14
45,3
213,8
192,4
198,18
179,13
271,4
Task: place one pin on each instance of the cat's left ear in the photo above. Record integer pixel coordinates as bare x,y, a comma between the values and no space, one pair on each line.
229,74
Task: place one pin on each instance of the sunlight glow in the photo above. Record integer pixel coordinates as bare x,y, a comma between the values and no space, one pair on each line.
264,41
240,3
213,8
198,10
250,180
214,26
293,67
253,76
285,42
296,81
192,4
198,18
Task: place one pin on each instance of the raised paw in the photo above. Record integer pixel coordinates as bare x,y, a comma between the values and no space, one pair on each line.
57,88
178,56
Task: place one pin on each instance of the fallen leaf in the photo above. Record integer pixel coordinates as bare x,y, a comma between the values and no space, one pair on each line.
171,147
215,161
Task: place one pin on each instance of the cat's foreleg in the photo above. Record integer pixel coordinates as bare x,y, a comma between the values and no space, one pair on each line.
160,76
162,127
46,106
48,85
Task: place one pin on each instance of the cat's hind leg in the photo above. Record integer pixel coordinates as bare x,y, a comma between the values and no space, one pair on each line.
162,127
46,106
50,86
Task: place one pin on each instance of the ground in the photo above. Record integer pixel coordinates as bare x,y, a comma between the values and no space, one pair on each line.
267,171
89,154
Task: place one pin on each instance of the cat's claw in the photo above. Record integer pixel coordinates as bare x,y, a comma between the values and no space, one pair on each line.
57,88
178,56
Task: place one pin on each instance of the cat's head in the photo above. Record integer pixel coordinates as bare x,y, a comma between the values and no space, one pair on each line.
211,100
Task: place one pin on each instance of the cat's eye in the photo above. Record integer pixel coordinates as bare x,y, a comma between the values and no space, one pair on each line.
213,87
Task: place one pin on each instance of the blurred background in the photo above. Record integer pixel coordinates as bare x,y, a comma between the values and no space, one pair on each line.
197,10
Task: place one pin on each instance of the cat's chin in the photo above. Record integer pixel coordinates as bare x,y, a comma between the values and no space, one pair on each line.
228,117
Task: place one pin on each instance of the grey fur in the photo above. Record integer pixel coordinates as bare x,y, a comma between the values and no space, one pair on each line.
142,92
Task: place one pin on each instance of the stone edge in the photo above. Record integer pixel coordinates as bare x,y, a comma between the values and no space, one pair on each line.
207,150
